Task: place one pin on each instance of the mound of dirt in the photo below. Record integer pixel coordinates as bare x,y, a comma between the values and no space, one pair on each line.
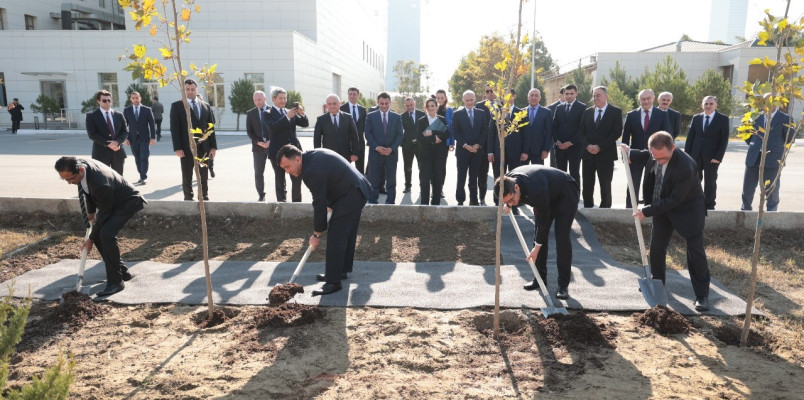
280,294
77,309
53,319
202,319
730,334
665,320
288,315
577,331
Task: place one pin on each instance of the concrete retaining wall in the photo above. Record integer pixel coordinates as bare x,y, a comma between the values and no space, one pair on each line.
401,213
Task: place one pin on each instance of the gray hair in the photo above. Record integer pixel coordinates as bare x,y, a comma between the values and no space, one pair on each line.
646,90
468,92
601,88
258,92
276,91
665,94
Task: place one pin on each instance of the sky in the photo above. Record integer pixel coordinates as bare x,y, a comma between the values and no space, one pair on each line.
570,29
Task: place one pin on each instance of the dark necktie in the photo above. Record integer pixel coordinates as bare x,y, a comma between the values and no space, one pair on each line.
136,113
195,109
599,115
262,128
282,111
335,121
706,122
532,113
354,112
385,123
109,124
567,108
657,186
472,117
647,120
82,200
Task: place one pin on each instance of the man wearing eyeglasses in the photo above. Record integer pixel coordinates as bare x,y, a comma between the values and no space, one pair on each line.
673,197
110,202
107,129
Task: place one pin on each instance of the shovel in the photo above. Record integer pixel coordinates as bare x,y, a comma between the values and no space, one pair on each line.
79,282
652,289
550,309
306,255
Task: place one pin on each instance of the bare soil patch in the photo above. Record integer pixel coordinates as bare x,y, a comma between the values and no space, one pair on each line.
284,292
665,320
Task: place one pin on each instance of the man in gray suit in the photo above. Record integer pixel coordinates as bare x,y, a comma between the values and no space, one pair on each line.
141,134
778,136
110,202
260,140
158,109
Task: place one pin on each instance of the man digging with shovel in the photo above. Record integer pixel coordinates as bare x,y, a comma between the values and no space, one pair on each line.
337,185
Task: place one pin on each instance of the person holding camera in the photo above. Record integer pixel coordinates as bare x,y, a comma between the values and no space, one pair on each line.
15,109
281,125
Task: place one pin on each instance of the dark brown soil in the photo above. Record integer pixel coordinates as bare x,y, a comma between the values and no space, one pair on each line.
665,320
577,331
288,314
219,316
282,293
77,308
730,333
47,320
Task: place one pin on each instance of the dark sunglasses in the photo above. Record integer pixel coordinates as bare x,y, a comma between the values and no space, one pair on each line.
106,100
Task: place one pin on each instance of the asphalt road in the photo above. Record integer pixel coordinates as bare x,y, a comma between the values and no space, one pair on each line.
26,162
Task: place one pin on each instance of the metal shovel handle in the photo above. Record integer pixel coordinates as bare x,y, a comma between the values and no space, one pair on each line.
530,262
634,205
306,255
82,265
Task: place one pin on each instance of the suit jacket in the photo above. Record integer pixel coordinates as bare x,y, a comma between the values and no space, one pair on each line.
360,122
540,187
108,191
776,141
552,108
704,146
675,122
98,132
343,140
635,135
515,142
410,133
538,133
471,133
179,129
604,134
374,132
426,145
142,128
682,199
157,109
16,112
256,131
330,177
566,125
282,130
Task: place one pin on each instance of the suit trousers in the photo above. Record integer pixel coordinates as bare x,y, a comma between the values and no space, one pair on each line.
553,157
187,177
569,160
360,163
259,171
158,129
483,178
696,255
604,169
636,168
535,159
563,216
432,172
470,162
281,187
750,181
15,125
380,167
342,235
707,172
105,239
408,156
117,161
141,150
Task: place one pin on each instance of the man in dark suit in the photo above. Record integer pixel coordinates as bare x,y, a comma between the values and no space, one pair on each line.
15,109
566,124
383,135
108,130
706,143
281,124
552,107
260,140
336,130
778,136
141,134
538,132
157,109
665,99
674,199
110,202
482,174
470,128
202,118
358,114
409,134
601,126
640,123
553,195
337,186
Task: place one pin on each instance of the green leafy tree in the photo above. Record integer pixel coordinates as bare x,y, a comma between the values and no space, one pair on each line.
523,87
668,76
583,81
366,102
409,76
55,383
782,88
89,105
241,98
145,95
618,98
712,83
172,23
625,83
47,106
293,97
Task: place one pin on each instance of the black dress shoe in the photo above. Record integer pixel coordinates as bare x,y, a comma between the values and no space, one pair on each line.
562,294
262,198
126,276
206,198
460,203
702,303
211,173
323,278
327,288
111,288
533,285
474,203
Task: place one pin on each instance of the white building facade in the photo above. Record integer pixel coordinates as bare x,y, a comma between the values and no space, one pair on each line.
314,47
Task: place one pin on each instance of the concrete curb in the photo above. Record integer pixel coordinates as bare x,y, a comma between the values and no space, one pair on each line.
399,213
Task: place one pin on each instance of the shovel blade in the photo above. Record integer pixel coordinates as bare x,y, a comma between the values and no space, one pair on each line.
653,292
548,311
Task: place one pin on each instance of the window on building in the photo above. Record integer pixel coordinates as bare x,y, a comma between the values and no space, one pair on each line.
152,87
55,89
258,78
2,19
30,22
102,3
108,81
214,93
336,84
3,98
